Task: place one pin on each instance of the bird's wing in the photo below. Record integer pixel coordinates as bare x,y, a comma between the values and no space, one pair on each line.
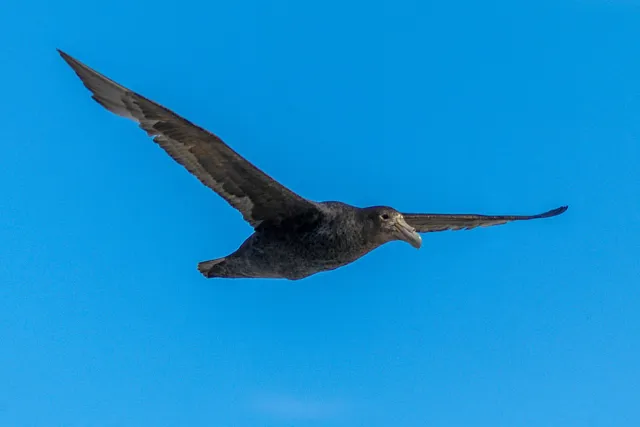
255,194
425,223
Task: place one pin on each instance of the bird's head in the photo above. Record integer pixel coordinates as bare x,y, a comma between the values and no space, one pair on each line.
387,224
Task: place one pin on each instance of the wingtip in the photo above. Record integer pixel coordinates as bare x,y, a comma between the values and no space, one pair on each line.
67,58
555,212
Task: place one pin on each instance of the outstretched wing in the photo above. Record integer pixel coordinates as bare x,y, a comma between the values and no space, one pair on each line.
425,223
255,194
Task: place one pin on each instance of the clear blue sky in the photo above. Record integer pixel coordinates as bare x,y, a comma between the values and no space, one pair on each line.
487,107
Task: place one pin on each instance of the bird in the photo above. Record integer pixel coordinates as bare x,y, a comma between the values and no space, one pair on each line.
293,237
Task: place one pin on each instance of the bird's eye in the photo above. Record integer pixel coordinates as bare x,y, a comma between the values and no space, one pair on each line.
384,216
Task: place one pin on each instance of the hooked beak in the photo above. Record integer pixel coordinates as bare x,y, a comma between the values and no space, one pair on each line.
408,233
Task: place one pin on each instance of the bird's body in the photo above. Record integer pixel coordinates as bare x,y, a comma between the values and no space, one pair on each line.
293,237
324,239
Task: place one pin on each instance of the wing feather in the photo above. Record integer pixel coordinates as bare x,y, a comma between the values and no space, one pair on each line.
426,223
245,187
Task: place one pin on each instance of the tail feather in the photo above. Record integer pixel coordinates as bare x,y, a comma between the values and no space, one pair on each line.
206,267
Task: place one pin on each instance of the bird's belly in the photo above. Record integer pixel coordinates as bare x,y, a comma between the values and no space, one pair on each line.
296,258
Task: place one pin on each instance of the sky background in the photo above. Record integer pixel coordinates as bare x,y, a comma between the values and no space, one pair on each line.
493,107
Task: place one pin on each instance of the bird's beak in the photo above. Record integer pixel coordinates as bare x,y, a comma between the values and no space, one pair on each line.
408,233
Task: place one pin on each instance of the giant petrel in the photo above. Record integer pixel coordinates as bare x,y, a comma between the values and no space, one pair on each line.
293,237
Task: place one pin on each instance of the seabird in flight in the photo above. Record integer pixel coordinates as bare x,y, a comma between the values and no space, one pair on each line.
293,237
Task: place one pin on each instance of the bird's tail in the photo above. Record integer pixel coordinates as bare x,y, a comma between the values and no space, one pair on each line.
208,268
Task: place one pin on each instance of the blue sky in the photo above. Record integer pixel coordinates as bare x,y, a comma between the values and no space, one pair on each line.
486,107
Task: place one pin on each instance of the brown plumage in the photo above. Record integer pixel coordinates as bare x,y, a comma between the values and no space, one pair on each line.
293,237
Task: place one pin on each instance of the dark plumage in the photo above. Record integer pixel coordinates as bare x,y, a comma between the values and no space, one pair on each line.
293,237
